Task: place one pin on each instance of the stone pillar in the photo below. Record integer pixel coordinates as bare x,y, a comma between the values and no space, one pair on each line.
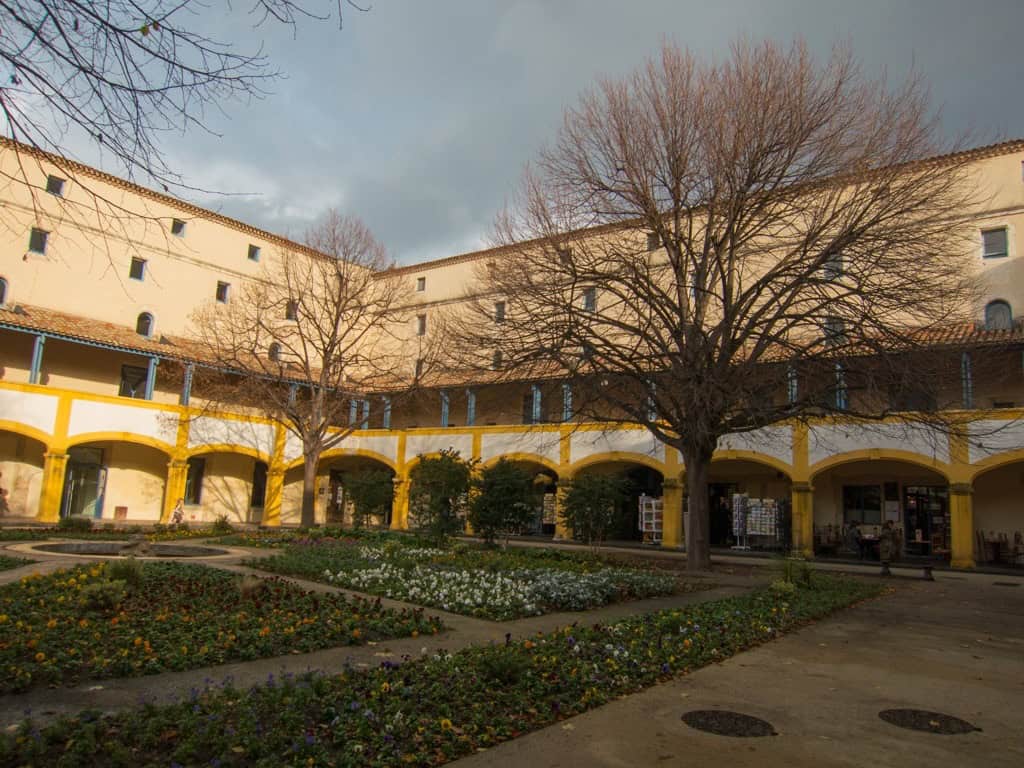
672,514
52,490
802,496
961,523
400,505
274,497
563,532
174,487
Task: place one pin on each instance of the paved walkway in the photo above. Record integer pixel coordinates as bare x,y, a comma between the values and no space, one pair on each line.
462,631
951,646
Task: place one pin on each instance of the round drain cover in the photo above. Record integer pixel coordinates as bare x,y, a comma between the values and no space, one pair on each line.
722,722
923,720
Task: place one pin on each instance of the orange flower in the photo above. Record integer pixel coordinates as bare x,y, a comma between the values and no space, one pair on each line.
83,623
40,657
265,631
356,633
51,624
138,641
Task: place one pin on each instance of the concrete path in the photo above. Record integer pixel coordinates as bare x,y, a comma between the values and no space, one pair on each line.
953,646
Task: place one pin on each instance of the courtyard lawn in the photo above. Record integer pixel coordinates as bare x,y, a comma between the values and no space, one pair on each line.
469,579
120,620
7,563
434,709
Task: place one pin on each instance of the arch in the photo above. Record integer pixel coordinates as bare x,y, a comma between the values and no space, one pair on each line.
996,462
144,324
615,457
120,437
336,453
24,430
404,474
242,450
880,454
998,316
754,457
525,457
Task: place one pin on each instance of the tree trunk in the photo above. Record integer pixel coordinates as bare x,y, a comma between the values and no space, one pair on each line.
698,521
310,462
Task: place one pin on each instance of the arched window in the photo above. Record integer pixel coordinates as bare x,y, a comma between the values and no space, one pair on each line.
3,291
998,316
274,352
144,325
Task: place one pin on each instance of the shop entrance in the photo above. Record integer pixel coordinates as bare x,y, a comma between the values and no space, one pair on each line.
720,508
926,520
335,514
85,480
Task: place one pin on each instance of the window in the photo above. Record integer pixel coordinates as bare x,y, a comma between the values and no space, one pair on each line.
496,360
419,366
178,227
222,291
653,241
528,408
590,299
994,243
274,352
291,310
421,325
833,266
834,329
194,480
133,382
254,252
3,291
37,240
564,255
259,485
55,185
998,316
421,283
862,504
144,324
499,311
137,270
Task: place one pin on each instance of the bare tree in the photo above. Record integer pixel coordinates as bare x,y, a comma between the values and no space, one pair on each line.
318,330
708,249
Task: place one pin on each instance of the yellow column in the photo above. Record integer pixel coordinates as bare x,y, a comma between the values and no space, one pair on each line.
174,486
672,514
961,523
400,506
52,491
563,532
275,481
802,495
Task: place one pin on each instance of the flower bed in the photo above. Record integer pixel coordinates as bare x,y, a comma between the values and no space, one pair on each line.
79,623
7,563
489,584
435,709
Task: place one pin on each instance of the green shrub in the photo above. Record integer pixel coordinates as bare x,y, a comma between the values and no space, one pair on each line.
371,492
222,526
589,506
76,524
438,488
797,571
103,595
504,666
127,571
503,501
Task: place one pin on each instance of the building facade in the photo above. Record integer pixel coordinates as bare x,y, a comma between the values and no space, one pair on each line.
98,416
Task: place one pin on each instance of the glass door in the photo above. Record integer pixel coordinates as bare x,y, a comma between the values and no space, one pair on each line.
926,520
85,481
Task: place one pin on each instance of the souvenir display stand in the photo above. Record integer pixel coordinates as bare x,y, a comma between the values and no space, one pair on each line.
651,511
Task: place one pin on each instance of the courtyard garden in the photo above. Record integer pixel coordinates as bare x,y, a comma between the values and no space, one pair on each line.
123,618
469,579
434,708
7,563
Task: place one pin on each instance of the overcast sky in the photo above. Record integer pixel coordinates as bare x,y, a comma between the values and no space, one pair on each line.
418,116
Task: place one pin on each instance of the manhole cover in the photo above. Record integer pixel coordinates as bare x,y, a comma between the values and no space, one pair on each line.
725,723
923,720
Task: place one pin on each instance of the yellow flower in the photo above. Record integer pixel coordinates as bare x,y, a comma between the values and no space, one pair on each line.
385,687
51,624
40,657
83,623
446,724
184,649
3,618
138,641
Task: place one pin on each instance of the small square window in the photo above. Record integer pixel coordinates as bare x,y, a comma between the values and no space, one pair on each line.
37,240
55,185
834,329
223,289
137,271
254,253
421,283
133,382
496,360
833,266
421,325
499,311
653,241
994,243
564,255
291,310
590,299
178,227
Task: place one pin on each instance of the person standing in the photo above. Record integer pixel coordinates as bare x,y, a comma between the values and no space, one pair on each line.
887,545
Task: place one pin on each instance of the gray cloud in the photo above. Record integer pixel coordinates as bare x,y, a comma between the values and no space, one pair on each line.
419,116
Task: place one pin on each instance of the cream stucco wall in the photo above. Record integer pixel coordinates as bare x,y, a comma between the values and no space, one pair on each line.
21,473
